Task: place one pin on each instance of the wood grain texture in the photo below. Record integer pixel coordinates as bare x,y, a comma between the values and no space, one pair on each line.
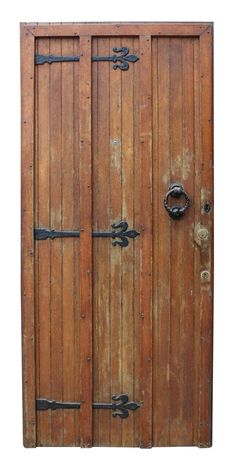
98,146
42,265
117,29
114,339
95,170
76,203
146,243
197,220
206,301
27,243
137,244
56,308
115,296
127,194
68,244
188,168
177,242
56,276
85,255
161,242
177,286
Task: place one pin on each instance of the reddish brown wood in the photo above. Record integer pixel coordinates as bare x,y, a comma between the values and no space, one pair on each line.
115,122
197,220
176,255
118,29
56,246
206,259
107,320
68,245
146,243
161,243
76,201
42,265
102,219
137,244
128,340
27,223
95,170
85,260
188,170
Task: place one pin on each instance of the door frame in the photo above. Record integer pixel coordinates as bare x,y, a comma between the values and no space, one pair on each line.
29,33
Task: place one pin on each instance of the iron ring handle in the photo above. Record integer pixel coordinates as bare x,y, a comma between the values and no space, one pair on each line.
175,211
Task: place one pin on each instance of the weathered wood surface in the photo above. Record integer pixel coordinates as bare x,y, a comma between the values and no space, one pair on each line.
99,320
117,29
27,243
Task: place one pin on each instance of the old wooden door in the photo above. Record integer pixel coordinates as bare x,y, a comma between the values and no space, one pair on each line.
117,234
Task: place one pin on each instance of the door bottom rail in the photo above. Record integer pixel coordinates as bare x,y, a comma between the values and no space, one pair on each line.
120,407
120,234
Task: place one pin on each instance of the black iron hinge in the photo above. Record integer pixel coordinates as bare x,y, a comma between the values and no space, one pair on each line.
120,237
120,407
121,61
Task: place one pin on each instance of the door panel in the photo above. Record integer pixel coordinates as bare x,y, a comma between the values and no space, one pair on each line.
57,283
173,288
122,310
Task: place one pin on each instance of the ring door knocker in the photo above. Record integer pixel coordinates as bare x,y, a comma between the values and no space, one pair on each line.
175,211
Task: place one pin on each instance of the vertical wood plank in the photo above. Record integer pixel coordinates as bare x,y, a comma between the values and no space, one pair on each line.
68,244
127,253
36,254
206,312
27,242
115,254
161,244
56,245
76,148
137,243
42,200
188,244
85,266
102,205
176,294
146,243
95,242
197,220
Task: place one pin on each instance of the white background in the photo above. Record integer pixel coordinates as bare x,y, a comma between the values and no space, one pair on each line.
222,13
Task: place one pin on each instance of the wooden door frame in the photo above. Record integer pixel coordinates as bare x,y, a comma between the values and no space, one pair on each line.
29,34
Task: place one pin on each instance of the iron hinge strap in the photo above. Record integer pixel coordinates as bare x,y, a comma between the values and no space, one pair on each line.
120,407
120,60
120,234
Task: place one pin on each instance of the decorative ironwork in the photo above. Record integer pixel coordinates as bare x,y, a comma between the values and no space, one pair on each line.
120,407
42,59
123,234
120,235
121,61
176,190
124,58
43,404
41,234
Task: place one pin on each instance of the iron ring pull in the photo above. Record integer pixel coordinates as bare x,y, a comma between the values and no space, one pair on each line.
175,211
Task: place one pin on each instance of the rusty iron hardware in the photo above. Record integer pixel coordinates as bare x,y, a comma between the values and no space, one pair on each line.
120,407
120,236
207,207
121,61
176,190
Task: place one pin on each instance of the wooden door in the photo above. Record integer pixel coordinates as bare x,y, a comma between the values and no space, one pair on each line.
117,234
